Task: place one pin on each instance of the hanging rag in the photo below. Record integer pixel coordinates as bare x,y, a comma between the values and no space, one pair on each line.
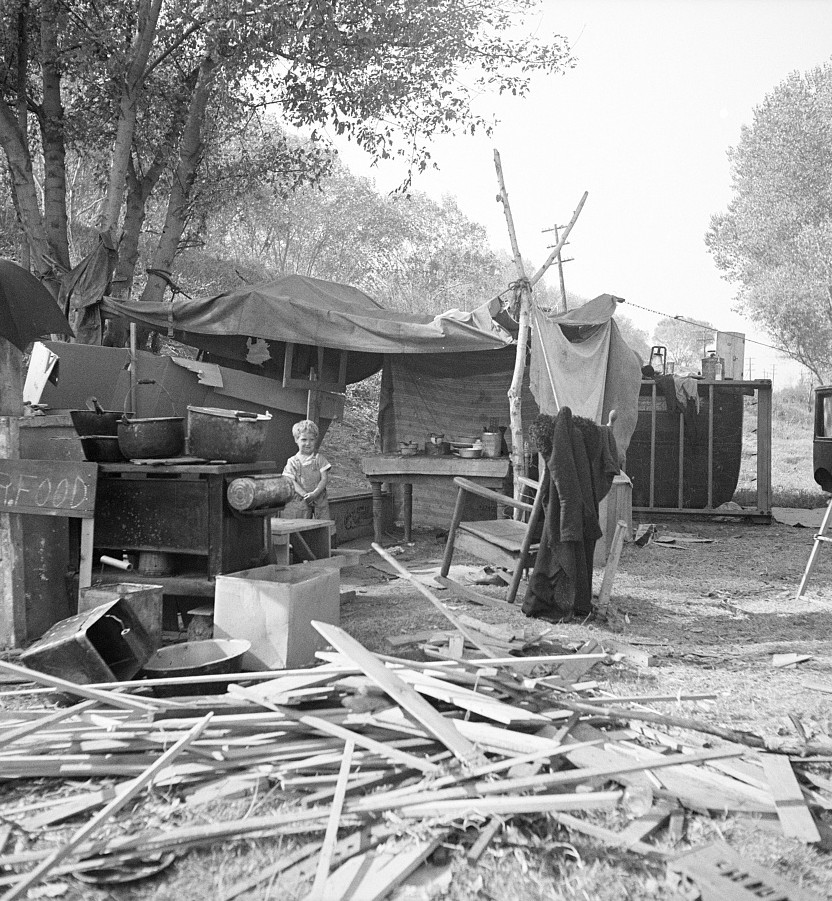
581,462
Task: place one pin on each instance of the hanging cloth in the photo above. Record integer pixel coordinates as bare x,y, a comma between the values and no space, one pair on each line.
568,373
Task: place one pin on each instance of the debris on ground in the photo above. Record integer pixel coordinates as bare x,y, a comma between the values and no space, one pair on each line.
382,762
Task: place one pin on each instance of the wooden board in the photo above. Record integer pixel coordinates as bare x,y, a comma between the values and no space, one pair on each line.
795,816
48,487
438,725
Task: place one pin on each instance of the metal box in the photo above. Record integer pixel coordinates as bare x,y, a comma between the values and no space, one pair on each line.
106,644
273,606
144,600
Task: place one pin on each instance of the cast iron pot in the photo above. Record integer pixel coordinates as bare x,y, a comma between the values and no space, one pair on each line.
152,437
102,449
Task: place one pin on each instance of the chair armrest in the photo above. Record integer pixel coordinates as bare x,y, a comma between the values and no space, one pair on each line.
488,494
529,483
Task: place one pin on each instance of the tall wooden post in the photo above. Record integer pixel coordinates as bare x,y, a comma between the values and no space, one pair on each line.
523,302
12,592
523,290
562,307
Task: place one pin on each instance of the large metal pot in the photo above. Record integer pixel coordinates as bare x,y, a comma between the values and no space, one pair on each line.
235,436
89,422
152,437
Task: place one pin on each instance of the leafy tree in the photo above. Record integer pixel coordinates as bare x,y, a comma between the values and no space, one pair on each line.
775,239
636,338
685,341
408,251
148,88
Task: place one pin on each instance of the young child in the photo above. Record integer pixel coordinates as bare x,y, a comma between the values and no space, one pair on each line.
309,472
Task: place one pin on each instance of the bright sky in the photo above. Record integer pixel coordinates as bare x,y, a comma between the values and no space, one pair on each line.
659,94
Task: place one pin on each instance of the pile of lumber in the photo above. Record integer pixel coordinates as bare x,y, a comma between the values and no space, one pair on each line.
378,761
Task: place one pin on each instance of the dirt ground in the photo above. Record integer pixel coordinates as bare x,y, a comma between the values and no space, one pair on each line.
711,615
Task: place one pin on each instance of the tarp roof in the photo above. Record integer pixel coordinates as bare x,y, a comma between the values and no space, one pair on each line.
315,312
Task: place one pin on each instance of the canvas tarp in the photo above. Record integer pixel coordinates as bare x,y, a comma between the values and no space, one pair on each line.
317,313
580,360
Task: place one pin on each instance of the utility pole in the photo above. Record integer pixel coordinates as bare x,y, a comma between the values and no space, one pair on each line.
560,276
562,307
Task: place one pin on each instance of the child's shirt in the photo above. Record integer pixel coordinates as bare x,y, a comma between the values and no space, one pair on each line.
307,470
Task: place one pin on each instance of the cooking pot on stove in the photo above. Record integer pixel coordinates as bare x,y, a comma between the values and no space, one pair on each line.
152,437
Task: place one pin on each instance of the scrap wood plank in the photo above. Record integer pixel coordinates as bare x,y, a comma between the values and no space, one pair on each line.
124,797
574,668
109,698
607,836
298,866
430,596
40,724
373,875
511,804
463,592
616,546
441,727
643,827
780,660
631,654
331,834
333,729
795,816
502,631
464,698
484,839
461,790
722,875
396,795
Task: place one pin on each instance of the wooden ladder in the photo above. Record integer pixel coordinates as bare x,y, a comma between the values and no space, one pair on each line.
819,539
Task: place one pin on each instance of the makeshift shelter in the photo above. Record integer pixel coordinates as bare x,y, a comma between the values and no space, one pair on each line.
446,374
578,359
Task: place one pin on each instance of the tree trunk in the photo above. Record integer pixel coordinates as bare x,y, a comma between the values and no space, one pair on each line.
183,180
148,17
23,182
52,134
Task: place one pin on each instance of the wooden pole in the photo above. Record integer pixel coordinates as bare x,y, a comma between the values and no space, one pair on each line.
562,308
523,288
523,292
12,593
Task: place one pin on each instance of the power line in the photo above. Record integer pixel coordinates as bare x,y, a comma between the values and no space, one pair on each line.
698,325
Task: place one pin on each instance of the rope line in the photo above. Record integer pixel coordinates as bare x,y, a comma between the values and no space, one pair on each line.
699,325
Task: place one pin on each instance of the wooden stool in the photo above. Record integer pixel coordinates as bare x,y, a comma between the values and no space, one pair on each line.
308,538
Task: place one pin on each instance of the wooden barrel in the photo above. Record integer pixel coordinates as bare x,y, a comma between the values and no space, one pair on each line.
257,492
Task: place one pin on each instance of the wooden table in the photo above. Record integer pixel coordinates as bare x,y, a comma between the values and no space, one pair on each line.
490,472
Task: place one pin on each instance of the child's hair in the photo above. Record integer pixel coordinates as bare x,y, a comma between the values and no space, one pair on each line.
304,427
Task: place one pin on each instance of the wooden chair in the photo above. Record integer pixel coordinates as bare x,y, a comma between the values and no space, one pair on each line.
504,542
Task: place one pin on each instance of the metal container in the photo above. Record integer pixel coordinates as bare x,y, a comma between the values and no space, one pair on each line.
492,442
102,448
153,437
88,423
235,436
712,368
208,657
105,644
